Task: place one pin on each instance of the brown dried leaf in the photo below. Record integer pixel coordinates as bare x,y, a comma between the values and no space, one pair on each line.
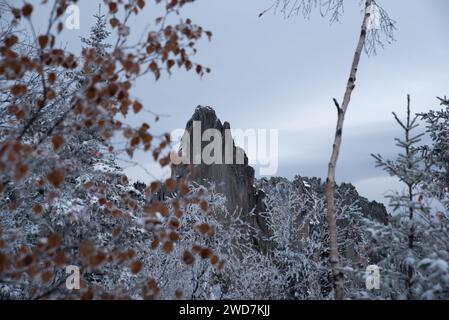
167,247
141,3
43,40
173,236
137,106
136,266
27,9
37,209
184,189
154,186
164,211
205,253
86,249
51,77
170,184
114,22
203,228
56,177
27,260
152,284
53,241
47,276
10,41
154,244
17,90
214,259
188,257
57,141
60,259
21,171
97,259
116,232
204,205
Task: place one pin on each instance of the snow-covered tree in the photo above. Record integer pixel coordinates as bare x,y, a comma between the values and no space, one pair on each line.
296,213
412,249
65,201
213,258
437,153
98,35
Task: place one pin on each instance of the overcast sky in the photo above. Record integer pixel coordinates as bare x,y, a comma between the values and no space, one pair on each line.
272,72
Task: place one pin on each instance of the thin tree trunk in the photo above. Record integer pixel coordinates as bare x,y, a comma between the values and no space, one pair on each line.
341,110
410,186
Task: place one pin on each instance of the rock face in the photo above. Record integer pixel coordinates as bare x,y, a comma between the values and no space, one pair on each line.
234,180
237,182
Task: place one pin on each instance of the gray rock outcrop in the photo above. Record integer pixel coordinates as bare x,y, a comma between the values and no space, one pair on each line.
235,180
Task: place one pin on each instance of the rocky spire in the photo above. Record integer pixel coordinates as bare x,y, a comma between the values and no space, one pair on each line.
235,181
